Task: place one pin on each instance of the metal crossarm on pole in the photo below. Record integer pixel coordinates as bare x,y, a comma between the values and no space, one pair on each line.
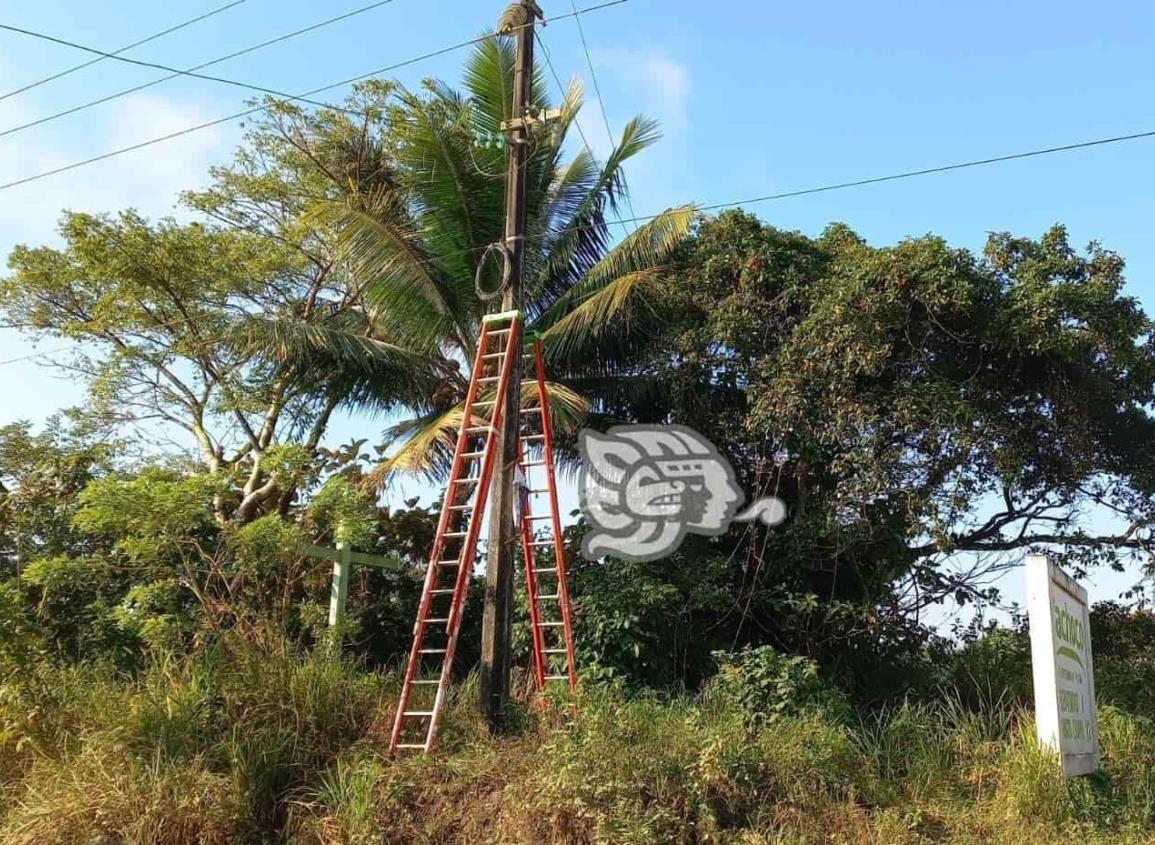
546,582
439,614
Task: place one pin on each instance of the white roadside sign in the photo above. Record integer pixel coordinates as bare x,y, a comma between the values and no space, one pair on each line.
1061,663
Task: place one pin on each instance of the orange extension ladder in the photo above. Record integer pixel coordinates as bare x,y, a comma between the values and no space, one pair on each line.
429,670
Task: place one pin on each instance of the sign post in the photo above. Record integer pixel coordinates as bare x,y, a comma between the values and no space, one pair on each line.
1061,663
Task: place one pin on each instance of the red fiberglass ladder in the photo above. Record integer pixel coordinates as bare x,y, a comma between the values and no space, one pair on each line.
430,666
541,542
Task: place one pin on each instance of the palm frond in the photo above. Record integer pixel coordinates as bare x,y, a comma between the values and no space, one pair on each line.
567,408
489,81
427,444
460,209
610,309
617,291
339,353
576,237
428,441
381,243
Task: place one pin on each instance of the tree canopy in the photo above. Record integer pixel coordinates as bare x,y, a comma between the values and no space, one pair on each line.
927,414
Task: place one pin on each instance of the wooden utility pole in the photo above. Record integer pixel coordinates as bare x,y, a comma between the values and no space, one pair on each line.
496,631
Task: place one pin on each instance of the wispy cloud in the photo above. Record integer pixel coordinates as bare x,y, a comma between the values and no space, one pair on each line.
148,179
657,83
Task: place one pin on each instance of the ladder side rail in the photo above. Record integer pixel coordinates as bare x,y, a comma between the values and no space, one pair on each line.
529,555
555,519
481,496
431,573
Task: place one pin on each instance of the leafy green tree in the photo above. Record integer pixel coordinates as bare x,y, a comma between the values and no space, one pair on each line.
41,476
155,308
913,405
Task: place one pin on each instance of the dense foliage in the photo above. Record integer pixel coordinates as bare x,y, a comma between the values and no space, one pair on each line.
928,415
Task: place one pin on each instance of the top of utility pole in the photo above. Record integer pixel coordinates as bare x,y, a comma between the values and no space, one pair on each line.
517,15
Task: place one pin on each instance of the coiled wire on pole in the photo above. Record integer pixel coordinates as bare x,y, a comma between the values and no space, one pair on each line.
506,271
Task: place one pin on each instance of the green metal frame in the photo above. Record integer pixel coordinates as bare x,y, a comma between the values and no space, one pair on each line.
343,559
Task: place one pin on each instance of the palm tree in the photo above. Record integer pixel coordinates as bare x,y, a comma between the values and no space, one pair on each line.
415,227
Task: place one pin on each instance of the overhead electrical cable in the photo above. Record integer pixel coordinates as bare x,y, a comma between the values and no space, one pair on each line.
264,107
123,49
35,355
562,88
188,71
927,171
176,72
874,180
598,90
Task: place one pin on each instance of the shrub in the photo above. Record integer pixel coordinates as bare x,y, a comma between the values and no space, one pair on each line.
993,667
765,685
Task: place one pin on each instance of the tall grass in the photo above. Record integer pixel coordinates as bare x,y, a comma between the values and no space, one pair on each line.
241,747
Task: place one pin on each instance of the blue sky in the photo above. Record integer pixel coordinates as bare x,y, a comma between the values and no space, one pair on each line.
755,98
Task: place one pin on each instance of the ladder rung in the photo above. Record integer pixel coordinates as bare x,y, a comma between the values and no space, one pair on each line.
485,402
450,591
540,516
551,569
488,379
425,714
455,534
461,507
411,745
438,621
550,624
534,464
554,678
467,480
425,682
432,651
472,454
556,651
477,428
449,562
554,597
534,409
496,332
542,543
536,489
494,355
533,437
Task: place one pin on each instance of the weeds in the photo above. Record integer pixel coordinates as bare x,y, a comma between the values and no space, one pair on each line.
238,746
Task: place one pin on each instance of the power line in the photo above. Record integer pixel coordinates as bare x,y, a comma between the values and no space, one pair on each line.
598,90
175,71
188,71
818,189
561,87
35,355
926,171
593,74
172,135
874,180
124,49
893,177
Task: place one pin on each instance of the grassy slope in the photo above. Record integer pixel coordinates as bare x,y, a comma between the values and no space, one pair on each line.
244,749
